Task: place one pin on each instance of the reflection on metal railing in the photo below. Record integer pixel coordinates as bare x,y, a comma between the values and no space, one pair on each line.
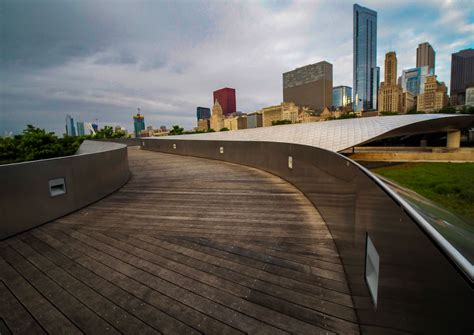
454,230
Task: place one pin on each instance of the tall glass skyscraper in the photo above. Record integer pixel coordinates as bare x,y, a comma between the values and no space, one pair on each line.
80,129
70,128
366,75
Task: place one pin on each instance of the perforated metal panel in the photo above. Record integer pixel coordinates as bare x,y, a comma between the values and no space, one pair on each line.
330,135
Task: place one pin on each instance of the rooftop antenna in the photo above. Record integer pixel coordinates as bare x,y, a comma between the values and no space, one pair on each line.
138,109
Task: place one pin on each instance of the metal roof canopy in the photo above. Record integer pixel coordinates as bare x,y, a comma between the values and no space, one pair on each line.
338,135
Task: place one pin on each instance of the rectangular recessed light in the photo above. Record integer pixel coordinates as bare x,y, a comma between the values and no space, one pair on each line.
57,187
372,265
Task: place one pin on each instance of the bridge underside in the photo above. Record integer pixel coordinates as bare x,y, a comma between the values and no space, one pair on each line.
189,245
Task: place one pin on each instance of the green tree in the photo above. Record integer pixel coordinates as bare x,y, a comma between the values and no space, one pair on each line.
447,110
121,134
278,122
176,130
388,113
35,143
413,111
347,116
467,109
224,129
108,133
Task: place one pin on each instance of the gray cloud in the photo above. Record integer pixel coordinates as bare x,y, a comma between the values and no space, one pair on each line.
103,59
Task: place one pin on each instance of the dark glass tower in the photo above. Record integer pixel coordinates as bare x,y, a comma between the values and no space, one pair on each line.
203,113
366,72
462,74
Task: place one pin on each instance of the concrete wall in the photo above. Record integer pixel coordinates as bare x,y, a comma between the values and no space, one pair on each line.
25,200
420,288
128,141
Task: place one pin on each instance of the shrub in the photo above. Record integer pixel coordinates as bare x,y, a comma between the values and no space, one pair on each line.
278,122
35,143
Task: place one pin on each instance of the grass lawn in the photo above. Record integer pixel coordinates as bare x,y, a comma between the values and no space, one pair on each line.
449,184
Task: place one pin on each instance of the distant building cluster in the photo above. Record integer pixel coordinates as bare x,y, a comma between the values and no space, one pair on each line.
308,94
74,129
85,128
417,89
150,131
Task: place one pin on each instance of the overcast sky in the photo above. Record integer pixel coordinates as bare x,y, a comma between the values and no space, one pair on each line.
103,59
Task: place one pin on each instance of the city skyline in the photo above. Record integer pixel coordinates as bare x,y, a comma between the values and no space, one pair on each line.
167,60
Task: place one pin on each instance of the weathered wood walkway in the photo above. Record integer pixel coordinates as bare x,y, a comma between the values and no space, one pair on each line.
187,246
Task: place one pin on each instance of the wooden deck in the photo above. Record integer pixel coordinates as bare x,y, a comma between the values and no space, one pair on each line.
187,246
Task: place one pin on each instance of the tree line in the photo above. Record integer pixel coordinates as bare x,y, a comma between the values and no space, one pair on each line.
35,143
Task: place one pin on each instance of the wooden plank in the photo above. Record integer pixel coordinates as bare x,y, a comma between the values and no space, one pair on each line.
101,314
282,273
285,295
237,293
103,288
43,311
203,297
233,270
78,313
173,307
16,317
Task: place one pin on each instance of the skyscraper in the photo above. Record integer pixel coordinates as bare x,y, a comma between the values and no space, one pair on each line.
226,98
70,128
80,129
425,56
309,86
203,113
462,74
366,74
341,96
138,123
390,94
390,75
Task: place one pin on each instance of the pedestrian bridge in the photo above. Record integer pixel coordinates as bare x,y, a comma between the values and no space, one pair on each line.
189,245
